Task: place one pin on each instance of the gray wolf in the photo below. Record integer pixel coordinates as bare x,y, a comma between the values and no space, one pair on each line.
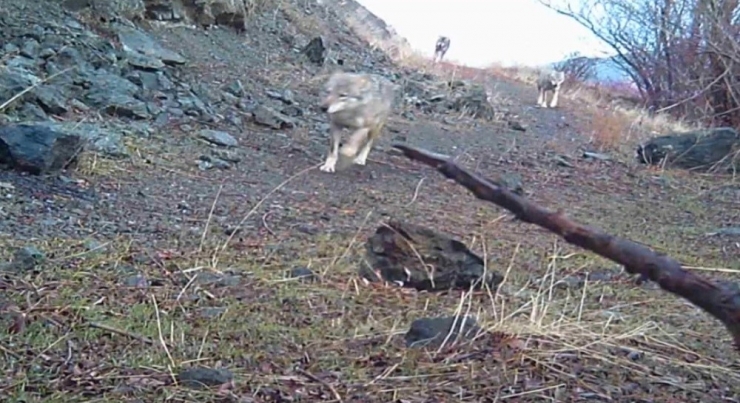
441,48
359,102
549,81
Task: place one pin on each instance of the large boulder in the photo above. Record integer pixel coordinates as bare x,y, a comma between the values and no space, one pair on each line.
701,150
232,13
109,10
38,149
423,259
315,51
432,332
473,102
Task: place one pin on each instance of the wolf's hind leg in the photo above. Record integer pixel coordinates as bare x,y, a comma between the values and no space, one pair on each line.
355,141
361,158
373,134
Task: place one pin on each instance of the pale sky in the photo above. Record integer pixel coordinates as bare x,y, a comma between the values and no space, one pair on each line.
485,31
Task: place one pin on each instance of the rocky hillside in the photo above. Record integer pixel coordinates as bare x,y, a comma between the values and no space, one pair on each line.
88,63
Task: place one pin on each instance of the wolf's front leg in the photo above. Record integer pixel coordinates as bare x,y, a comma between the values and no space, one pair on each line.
335,136
540,97
554,101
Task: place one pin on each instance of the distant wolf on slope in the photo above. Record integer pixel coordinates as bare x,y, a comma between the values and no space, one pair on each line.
359,102
549,81
441,48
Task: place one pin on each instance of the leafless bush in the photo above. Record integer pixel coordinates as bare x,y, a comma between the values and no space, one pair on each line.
577,68
682,55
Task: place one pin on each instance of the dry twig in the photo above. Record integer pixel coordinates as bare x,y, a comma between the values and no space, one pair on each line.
721,301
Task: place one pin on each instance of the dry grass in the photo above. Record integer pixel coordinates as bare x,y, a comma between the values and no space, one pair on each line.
544,341
617,121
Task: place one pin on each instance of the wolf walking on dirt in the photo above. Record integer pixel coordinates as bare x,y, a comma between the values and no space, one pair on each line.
549,81
359,102
441,48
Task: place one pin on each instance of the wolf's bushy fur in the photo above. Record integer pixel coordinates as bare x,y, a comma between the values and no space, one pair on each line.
549,81
359,102
441,48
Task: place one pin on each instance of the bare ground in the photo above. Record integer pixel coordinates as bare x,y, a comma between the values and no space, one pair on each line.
84,334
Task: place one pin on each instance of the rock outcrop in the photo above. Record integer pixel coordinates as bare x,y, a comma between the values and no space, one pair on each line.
703,150
38,149
423,259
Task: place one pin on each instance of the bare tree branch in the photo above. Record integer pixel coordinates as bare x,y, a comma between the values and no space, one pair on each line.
577,68
675,51
720,301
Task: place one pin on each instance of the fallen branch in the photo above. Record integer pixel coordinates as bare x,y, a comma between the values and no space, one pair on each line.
721,301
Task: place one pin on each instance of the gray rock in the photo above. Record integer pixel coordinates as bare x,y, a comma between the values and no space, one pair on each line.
218,279
31,112
229,98
235,88
204,165
219,138
11,48
206,162
135,41
202,377
38,149
30,49
293,111
47,53
106,141
395,248
229,155
68,57
166,10
432,332
562,160
51,99
24,260
14,80
206,93
511,181
118,104
285,96
144,62
700,150
193,106
95,247
269,117
474,102
729,231
136,281
113,94
516,125
20,62
234,119
212,312
303,274
315,51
